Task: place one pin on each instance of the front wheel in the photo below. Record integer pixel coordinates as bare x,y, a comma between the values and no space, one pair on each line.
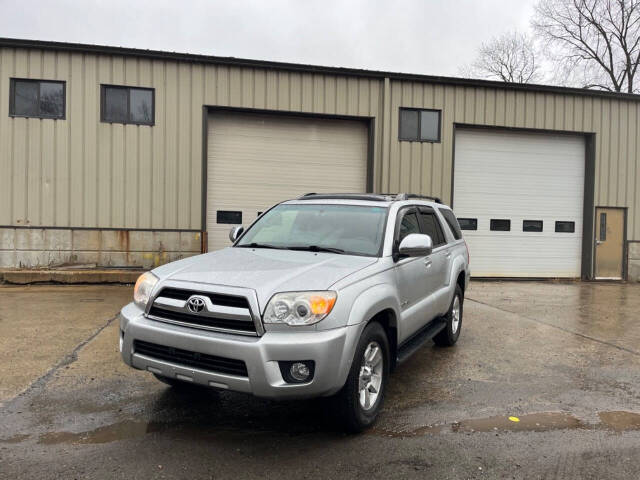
361,398
450,333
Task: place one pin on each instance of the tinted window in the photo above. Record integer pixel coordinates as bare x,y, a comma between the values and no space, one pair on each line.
499,225
419,125
355,229
409,224
37,98
127,105
430,125
432,228
141,106
468,223
409,122
565,227
52,99
451,220
532,225
115,105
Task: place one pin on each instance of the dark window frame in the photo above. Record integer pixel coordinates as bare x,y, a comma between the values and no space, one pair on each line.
531,223
565,222
493,227
129,121
418,139
474,220
39,81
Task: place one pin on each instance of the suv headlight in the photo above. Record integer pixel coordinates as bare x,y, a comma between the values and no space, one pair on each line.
143,288
299,308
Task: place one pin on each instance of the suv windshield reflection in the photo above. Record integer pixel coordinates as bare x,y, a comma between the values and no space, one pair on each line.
347,229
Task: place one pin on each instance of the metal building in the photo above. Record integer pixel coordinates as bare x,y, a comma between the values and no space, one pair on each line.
126,157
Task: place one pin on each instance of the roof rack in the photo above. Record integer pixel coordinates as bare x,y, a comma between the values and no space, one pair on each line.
407,196
377,197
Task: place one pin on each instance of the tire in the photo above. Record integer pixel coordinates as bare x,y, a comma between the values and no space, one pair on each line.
354,415
450,334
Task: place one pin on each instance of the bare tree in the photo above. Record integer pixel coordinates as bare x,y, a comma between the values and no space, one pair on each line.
594,43
510,57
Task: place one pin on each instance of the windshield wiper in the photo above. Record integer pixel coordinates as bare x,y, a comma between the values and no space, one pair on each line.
260,245
316,248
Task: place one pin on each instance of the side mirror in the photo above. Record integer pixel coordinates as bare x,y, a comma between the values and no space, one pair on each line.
235,232
415,245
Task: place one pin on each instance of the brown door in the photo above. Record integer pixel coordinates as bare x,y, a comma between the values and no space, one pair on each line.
609,243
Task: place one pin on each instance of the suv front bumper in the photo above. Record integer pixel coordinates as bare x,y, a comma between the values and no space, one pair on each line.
331,350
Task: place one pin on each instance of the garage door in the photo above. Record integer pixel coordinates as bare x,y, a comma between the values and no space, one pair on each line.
519,197
257,160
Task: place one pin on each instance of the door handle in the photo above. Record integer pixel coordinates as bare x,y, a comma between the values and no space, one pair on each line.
428,263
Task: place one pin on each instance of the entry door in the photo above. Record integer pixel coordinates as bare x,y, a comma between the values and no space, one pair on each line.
609,243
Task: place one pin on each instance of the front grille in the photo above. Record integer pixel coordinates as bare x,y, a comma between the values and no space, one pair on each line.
188,358
202,321
216,298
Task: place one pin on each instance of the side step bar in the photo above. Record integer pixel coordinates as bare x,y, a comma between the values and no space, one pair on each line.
413,344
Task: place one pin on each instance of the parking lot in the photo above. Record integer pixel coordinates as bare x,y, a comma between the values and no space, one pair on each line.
563,358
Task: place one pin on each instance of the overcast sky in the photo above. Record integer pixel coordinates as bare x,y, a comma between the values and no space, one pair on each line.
417,36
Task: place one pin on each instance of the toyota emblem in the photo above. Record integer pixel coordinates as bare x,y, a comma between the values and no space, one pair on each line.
195,304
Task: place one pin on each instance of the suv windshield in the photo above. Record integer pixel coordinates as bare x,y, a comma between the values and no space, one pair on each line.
348,229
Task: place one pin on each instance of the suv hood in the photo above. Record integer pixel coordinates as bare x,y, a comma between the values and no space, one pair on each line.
265,271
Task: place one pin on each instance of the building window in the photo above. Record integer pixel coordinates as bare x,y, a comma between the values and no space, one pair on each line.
532,225
468,223
36,98
565,227
127,105
419,125
500,225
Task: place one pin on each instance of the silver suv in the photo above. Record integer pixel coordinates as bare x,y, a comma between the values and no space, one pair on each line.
321,296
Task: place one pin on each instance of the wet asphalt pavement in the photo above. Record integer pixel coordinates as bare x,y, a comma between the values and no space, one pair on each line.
562,358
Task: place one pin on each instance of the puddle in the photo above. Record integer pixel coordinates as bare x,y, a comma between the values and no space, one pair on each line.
620,421
534,422
106,434
617,421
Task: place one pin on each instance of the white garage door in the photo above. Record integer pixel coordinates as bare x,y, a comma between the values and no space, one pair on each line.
257,160
522,183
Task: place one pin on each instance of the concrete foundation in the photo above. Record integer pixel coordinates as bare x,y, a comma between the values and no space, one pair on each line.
52,247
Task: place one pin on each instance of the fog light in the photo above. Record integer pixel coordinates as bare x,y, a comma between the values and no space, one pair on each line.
297,371
300,371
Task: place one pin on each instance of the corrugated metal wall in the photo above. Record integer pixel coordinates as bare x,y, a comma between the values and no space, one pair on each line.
426,167
79,172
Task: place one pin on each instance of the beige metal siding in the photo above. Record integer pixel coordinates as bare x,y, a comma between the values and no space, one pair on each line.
426,167
79,172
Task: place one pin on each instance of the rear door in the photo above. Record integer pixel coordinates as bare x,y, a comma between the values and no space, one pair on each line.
438,261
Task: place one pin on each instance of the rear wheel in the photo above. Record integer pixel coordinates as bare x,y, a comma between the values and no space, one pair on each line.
449,335
361,398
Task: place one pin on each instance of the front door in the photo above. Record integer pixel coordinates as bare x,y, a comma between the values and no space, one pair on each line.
610,223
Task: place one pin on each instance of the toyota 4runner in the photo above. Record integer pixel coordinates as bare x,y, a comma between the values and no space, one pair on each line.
321,296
